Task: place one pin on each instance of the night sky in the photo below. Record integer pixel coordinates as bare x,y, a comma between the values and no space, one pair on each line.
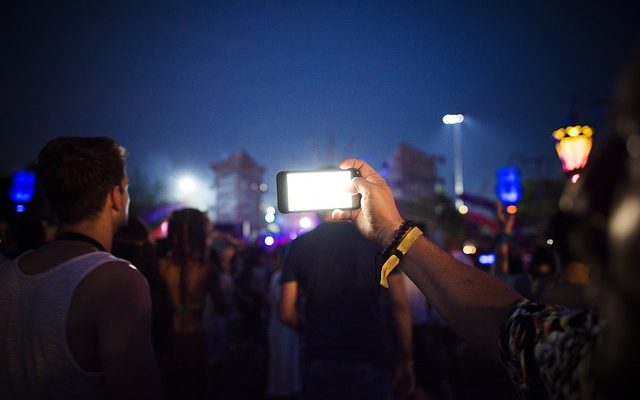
302,84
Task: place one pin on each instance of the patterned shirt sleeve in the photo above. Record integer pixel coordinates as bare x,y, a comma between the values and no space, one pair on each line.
547,350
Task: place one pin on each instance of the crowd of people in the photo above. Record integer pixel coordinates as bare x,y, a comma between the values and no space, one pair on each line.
363,306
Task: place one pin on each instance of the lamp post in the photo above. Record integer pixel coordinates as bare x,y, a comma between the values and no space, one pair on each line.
573,145
458,187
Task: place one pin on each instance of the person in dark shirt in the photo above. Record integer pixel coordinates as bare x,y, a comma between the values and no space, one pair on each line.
346,318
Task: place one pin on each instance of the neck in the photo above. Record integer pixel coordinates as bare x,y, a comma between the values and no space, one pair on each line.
94,229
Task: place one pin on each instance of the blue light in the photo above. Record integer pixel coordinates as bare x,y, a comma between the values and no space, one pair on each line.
487,259
508,188
22,187
20,208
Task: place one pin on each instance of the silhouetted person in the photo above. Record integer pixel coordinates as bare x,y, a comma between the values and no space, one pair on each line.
132,243
283,371
23,233
188,273
569,286
343,320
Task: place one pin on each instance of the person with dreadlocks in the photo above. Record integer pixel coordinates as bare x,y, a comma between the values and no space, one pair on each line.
188,272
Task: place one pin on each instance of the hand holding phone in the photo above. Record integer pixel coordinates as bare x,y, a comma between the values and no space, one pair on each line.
378,218
316,190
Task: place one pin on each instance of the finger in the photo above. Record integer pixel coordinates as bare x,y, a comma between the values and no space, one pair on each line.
361,185
339,215
366,171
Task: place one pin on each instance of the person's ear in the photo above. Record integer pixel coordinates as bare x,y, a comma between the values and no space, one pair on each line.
118,201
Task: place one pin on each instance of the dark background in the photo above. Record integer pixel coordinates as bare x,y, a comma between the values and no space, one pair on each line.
302,84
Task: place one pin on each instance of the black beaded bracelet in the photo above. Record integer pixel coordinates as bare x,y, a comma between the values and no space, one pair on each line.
397,238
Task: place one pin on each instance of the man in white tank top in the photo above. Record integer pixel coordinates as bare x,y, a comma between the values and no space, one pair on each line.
74,320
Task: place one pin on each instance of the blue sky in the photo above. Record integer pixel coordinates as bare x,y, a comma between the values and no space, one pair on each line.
184,85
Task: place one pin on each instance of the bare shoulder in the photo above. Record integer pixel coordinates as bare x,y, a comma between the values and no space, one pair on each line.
115,282
118,272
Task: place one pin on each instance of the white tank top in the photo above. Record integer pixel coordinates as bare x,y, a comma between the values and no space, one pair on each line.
35,359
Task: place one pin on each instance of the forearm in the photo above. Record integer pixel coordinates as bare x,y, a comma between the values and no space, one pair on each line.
405,334
501,265
401,316
288,312
473,303
291,320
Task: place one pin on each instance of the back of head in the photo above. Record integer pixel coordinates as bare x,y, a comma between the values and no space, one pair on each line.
77,173
134,232
188,230
131,242
543,262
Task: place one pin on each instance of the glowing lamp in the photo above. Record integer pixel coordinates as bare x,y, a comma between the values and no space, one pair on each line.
23,185
469,249
573,145
451,119
487,259
186,184
509,188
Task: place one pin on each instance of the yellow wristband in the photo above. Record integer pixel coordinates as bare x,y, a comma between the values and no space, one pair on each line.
405,244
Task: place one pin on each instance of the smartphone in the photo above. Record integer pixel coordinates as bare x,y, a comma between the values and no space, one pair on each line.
316,190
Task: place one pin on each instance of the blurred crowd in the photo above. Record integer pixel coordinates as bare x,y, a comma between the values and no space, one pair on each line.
215,306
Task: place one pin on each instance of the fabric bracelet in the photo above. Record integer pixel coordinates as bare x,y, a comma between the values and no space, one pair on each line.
405,244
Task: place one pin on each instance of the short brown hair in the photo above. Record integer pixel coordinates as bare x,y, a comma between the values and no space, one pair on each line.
77,173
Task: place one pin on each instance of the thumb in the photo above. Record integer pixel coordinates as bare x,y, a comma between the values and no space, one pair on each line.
338,215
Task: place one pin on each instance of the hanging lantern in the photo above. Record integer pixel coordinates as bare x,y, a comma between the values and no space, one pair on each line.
573,145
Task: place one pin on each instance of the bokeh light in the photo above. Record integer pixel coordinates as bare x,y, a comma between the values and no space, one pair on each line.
305,222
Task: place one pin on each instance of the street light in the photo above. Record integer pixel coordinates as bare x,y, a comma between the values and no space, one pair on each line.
186,185
458,188
573,145
190,191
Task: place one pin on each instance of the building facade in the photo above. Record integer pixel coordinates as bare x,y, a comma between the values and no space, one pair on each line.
239,186
412,174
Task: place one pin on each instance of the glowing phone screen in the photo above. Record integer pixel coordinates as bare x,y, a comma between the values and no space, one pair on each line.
324,190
